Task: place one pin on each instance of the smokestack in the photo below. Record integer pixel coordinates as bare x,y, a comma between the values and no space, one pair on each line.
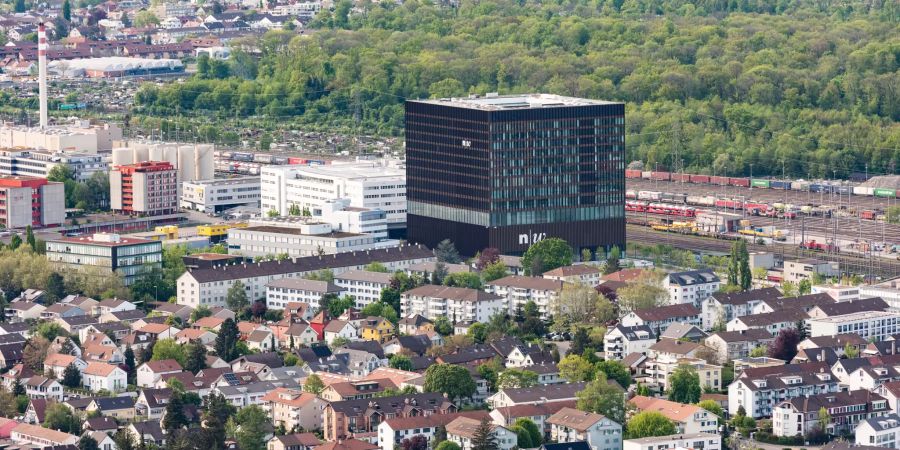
42,72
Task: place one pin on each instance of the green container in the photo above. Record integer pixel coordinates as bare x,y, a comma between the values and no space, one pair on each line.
759,183
885,192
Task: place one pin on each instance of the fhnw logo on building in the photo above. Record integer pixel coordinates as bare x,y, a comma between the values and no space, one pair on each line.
531,238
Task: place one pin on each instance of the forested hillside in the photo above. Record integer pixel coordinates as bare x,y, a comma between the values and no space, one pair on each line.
722,84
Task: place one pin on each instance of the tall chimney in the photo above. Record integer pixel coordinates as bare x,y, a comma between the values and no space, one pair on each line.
42,72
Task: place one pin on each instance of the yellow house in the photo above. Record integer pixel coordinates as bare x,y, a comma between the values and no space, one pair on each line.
377,329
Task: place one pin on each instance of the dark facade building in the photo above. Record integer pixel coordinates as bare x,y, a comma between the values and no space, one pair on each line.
509,171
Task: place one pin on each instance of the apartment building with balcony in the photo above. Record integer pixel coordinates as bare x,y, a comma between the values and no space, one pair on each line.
149,188
759,394
622,341
456,303
31,201
518,290
846,409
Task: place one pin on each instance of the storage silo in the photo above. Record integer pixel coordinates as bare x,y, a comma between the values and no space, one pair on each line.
186,165
170,154
141,152
205,161
156,152
122,156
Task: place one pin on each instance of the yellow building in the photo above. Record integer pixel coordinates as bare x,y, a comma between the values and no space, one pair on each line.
377,329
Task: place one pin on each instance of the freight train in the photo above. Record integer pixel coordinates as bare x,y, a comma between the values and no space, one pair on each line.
250,163
762,183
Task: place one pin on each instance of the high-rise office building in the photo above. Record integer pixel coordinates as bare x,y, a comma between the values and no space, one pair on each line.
509,171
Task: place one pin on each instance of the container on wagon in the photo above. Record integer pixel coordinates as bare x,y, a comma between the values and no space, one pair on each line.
759,183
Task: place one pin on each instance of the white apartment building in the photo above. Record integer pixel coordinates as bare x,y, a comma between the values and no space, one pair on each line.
456,303
660,368
871,325
622,341
881,431
462,432
804,269
518,290
571,425
209,286
367,184
723,307
216,195
758,395
299,240
687,418
839,292
40,163
362,285
289,290
693,286
705,441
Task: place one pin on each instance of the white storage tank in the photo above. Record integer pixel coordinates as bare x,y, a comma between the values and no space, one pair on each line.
122,156
170,154
186,164
205,161
156,152
141,152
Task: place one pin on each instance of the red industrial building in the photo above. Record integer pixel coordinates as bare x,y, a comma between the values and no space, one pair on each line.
149,187
26,200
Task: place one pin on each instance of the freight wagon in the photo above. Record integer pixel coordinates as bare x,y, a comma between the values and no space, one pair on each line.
660,176
629,173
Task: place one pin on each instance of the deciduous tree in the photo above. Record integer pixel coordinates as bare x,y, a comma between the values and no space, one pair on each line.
684,385
453,380
648,424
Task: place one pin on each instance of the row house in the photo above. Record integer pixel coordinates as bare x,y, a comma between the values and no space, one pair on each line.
799,415
659,318
721,308
346,419
772,322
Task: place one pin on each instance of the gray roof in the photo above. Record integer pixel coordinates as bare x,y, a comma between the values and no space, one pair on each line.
853,306
365,275
742,298
631,333
884,423
544,392
301,284
693,277
680,330
310,263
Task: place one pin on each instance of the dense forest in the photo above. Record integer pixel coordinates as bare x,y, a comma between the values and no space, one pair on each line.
711,86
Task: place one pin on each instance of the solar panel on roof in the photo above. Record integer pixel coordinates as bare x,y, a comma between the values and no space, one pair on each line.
231,379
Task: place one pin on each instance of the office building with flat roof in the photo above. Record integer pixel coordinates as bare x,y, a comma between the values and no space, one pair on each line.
111,253
33,201
509,171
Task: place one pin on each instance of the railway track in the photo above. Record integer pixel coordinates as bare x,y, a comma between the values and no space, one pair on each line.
855,264
763,195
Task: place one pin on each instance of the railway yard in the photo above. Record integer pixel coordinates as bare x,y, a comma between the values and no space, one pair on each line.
794,223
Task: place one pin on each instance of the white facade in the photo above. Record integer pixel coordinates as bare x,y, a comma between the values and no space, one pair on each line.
705,441
209,287
571,425
691,287
621,341
804,269
877,325
879,431
457,304
506,439
759,396
291,290
369,184
211,196
840,293
519,290
312,239
363,286
114,381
